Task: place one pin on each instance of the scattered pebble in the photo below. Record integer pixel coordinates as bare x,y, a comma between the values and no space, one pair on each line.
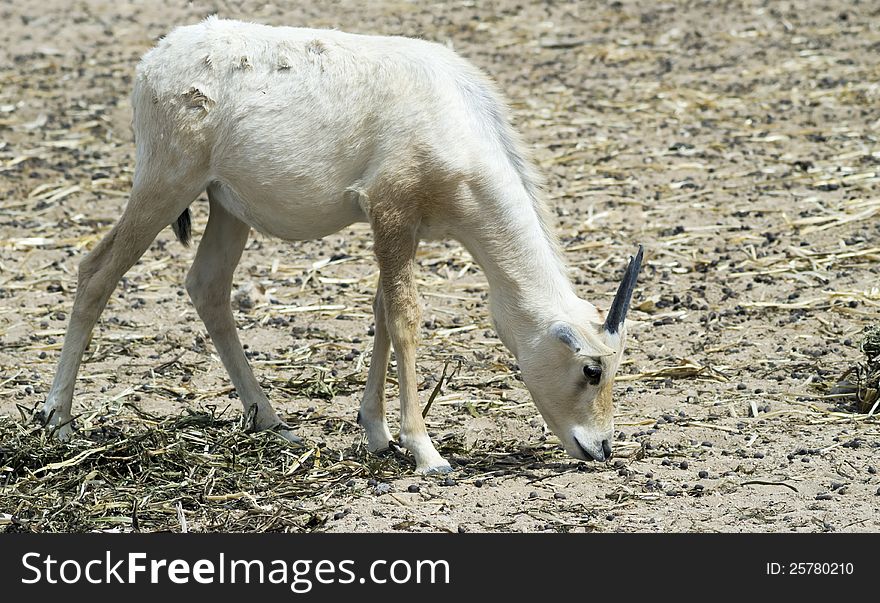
683,465
414,488
559,496
824,496
703,474
447,481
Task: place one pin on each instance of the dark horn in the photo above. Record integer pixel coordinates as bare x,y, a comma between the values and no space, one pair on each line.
620,305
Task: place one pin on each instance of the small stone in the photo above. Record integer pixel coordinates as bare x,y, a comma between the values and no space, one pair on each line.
758,455
533,494
478,483
371,482
462,529
559,496
703,474
836,485
683,465
381,488
447,481
872,470
414,488
824,496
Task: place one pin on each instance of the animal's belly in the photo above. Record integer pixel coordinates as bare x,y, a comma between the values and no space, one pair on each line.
290,210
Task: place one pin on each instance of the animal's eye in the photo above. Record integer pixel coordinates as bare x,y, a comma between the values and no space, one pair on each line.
593,374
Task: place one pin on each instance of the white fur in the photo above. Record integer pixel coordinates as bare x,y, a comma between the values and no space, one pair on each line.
298,133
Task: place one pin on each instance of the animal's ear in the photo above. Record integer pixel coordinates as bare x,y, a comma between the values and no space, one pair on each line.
580,345
568,336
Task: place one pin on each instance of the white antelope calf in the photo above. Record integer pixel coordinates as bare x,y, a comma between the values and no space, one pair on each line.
299,133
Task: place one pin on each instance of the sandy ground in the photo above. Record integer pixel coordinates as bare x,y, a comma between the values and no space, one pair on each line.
737,141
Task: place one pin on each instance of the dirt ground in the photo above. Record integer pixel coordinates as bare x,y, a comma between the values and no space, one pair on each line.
737,141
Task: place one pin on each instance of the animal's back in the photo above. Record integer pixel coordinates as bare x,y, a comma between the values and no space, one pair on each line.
217,72
292,115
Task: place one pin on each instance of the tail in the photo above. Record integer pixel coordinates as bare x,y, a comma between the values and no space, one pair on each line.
183,227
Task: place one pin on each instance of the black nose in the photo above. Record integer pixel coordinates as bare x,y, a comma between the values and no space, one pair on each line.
606,448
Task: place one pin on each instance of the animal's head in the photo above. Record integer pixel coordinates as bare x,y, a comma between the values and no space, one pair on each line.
571,369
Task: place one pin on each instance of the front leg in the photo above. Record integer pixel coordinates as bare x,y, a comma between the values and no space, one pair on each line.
397,281
372,413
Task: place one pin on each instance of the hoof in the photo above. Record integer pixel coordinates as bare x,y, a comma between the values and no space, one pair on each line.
283,430
58,429
62,433
439,469
380,447
289,436
379,438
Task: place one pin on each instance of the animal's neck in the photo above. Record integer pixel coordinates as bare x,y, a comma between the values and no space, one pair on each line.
528,279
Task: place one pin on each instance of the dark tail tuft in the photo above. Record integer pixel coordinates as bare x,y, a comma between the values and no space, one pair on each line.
183,227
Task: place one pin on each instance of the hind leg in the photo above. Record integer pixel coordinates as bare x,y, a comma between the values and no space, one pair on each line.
150,209
209,284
